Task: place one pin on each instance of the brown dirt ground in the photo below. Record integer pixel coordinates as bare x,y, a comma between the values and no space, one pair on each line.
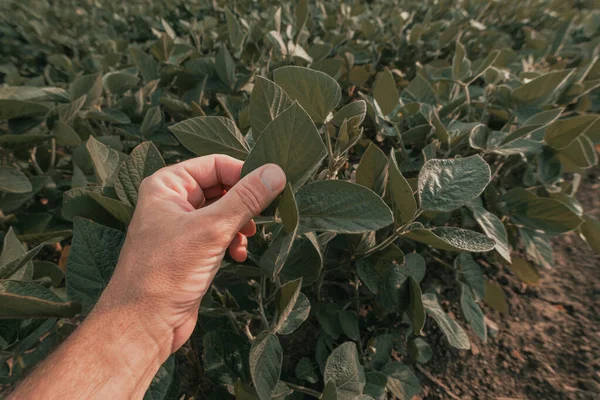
549,345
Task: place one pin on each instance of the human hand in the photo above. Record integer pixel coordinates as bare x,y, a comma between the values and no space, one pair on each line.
186,217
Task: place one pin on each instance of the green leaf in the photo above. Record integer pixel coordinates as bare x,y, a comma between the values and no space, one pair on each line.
385,92
349,323
225,66
383,346
375,386
415,266
354,111
344,369
14,257
420,350
470,273
301,15
541,90
279,144
305,260
162,383
89,86
525,271
112,115
305,370
416,310
297,316
106,161
119,82
266,357
560,134
224,356
267,101
372,171
495,298
343,207
454,333
403,201
450,239
286,300
145,63
10,108
65,135
78,203
330,391
236,35
47,269
29,300
541,213
538,247
122,212
14,181
580,154
316,91
590,229
461,66
493,227
92,259
445,185
402,381
152,120
144,160
472,312
420,91
274,258
288,210
211,135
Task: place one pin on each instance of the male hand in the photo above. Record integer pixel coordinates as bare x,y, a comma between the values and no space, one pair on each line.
186,217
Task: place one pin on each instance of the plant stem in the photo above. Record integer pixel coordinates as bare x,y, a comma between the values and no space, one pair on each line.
36,166
360,348
52,154
303,389
261,294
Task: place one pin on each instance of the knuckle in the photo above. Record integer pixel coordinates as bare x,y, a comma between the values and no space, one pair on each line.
251,197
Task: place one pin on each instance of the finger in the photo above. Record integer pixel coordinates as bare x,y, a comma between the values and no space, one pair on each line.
215,191
238,249
216,169
249,229
249,196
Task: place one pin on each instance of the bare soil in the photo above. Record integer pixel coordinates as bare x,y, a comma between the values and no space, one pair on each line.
549,345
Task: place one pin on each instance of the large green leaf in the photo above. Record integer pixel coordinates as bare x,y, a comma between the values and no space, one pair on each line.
119,82
89,86
445,185
211,135
94,254
416,311
542,213
266,356
495,297
304,261
541,90
106,161
401,380
162,383
280,141
349,324
344,369
286,300
454,333
538,247
372,171
20,299
403,201
297,316
143,161
525,271
472,312
316,91
561,133
493,227
470,273
267,101
65,135
590,229
224,357
305,370
450,238
15,261
385,92
338,206
14,181
11,108
225,66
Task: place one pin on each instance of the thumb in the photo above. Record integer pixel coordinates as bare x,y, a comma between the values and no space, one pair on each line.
251,195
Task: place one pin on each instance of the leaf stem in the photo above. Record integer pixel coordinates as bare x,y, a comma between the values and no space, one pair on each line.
303,389
261,294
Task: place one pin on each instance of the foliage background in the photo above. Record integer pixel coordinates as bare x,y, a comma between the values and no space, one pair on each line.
514,82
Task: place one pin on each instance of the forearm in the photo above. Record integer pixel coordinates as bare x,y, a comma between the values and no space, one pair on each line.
109,356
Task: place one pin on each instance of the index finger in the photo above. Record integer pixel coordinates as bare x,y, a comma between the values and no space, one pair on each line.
216,169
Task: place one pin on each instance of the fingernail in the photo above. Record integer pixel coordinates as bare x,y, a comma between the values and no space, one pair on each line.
273,178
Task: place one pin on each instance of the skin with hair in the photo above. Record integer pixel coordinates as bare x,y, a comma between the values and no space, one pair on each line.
188,215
